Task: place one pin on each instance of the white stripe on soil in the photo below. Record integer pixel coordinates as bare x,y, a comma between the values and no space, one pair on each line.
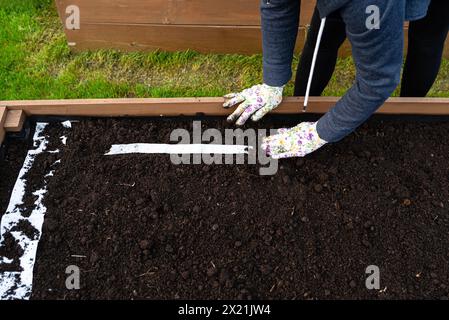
18,285
157,148
9,287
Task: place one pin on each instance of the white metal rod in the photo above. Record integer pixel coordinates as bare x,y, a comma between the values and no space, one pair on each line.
312,68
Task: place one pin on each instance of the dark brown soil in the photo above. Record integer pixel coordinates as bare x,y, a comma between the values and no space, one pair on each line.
10,249
10,164
140,227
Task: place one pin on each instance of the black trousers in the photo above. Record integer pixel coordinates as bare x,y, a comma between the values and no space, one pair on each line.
425,50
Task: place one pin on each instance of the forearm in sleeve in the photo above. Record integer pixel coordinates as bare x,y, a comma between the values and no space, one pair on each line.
377,55
280,22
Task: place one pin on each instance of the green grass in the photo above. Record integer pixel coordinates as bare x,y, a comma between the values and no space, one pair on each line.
35,63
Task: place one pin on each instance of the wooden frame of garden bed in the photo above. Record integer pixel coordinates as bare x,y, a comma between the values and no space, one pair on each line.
13,113
214,26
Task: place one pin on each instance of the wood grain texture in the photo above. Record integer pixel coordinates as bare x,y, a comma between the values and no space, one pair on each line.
3,112
207,106
176,25
233,39
14,120
206,39
214,26
175,12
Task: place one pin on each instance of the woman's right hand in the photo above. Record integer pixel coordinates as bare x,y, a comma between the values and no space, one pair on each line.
255,102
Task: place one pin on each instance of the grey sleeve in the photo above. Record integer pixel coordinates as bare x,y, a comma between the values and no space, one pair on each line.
280,23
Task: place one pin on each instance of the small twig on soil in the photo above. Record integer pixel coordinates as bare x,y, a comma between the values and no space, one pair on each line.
293,211
252,174
86,271
146,273
78,256
213,265
272,288
127,185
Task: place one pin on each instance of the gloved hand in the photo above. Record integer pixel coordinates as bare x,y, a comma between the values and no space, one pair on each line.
256,102
298,141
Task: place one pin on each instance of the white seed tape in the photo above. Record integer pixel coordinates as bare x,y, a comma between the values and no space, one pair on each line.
157,148
18,284
67,124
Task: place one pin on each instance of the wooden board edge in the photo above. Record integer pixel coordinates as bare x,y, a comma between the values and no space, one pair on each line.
14,120
3,113
2,136
208,106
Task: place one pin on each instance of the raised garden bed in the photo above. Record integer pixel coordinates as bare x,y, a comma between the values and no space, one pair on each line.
141,227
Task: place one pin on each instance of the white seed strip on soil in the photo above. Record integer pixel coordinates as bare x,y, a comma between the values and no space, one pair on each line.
18,285
158,148
67,124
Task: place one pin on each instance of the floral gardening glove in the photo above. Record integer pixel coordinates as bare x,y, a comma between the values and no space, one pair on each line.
298,141
256,102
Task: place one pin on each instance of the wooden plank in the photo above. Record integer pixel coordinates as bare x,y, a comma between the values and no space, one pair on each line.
177,12
208,106
139,25
3,112
14,120
206,39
